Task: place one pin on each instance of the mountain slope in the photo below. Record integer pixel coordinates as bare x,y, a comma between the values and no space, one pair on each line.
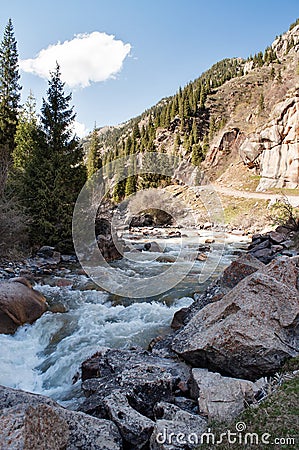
237,113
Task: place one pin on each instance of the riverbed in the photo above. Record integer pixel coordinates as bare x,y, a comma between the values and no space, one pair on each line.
45,357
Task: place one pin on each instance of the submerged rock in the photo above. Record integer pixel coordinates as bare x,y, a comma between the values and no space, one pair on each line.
19,304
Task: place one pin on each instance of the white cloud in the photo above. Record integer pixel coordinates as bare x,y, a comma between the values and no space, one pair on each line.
86,58
79,129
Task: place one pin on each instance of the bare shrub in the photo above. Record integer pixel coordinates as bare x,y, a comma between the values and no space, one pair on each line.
13,229
283,213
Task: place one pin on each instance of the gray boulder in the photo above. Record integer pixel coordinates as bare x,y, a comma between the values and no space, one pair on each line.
252,330
135,428
220,398
175,428
238,270
29,421
141,376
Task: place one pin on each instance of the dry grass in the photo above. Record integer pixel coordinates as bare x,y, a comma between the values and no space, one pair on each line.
245,213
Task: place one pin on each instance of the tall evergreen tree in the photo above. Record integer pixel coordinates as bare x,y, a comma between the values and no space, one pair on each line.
94,161
9,100
28,135
55,173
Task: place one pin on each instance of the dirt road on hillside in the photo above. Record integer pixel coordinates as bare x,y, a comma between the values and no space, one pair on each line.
293,199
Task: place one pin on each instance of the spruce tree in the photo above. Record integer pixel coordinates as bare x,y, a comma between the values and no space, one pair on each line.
94,161
27,135
55,173
9,101
135,132
197,155
131,185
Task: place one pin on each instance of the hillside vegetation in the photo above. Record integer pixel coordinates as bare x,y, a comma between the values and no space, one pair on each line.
234,94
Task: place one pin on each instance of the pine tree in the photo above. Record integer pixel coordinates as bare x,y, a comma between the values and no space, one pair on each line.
177,143
28,135
131,185
55,173
135,132
197,155
94,161
9,101
119,190
261,103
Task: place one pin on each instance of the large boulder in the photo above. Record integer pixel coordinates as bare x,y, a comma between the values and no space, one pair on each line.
110,245
143,378
19,304
220,398
238,270
252,330
32,421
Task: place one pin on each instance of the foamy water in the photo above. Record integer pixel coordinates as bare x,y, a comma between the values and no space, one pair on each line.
45,356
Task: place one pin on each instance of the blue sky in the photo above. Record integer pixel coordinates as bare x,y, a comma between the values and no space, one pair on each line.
158,46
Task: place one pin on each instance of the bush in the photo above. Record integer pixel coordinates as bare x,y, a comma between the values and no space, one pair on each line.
283,213
13,229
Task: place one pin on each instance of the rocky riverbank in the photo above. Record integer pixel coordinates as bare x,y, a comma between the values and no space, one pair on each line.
214,364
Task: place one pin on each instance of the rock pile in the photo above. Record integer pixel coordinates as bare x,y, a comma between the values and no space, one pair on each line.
241,329
268,246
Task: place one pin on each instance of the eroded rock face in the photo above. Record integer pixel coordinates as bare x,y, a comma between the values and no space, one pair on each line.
19,304
228,143
275,149
252,330
34,422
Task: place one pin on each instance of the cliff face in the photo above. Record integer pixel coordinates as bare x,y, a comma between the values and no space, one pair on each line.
274,149
263,126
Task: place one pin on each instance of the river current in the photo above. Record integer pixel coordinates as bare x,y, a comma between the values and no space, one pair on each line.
45,357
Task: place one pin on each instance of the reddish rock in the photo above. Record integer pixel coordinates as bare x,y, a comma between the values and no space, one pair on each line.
239,269
19,304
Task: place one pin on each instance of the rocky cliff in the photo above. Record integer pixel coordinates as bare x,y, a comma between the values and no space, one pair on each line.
274,149
262,130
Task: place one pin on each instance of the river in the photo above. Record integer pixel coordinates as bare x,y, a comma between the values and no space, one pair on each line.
45,357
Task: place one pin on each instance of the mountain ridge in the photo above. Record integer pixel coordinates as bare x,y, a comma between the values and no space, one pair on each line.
234,96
